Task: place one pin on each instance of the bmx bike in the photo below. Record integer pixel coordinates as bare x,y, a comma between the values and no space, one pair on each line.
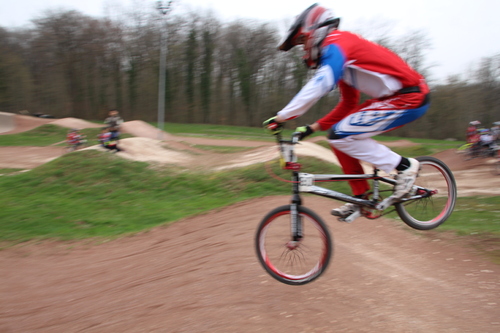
293,243
476,150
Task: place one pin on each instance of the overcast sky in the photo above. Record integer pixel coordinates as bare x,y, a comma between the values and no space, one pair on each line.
461,31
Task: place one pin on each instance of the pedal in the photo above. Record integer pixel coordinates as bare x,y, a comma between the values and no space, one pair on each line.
384,204
413,191
351,217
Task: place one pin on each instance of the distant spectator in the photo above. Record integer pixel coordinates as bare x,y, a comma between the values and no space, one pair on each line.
114,121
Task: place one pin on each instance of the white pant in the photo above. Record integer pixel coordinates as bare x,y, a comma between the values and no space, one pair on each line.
364,148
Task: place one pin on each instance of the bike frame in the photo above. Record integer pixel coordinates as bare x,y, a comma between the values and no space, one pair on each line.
305,183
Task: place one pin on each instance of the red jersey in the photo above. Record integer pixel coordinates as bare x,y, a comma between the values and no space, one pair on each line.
73,138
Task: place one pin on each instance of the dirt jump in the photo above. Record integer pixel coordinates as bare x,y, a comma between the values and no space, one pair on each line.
201,274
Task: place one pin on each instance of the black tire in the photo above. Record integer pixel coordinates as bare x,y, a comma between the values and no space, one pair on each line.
68,149
301,263
429,213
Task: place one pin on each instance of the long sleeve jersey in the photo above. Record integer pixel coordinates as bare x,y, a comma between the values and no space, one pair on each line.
354,65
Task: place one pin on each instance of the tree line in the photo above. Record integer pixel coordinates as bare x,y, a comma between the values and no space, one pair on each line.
68,64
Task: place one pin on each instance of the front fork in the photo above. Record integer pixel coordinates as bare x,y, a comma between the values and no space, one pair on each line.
296,219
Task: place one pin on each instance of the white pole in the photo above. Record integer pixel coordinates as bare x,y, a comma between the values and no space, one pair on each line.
164,10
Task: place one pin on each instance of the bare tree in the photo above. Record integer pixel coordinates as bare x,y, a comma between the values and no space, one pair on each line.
15,77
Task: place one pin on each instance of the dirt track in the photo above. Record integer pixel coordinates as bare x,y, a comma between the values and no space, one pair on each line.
201,275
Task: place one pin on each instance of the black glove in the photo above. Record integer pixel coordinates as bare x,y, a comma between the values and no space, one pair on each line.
304,131
273,126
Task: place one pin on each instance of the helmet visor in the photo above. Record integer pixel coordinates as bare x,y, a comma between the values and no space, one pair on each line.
291,38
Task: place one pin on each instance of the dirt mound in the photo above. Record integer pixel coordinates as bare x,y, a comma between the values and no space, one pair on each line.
145,130
160,152
75,123
6,122
150,150
26,123
166,152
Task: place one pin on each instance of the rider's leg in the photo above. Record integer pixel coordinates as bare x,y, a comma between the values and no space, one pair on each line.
351,165
352,135
364,148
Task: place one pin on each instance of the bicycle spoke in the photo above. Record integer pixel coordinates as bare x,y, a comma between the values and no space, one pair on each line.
293,262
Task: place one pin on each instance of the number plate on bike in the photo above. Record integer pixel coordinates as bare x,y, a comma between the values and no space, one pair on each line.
287,153
306,182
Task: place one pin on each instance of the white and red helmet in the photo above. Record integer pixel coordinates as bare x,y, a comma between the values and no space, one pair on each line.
310,29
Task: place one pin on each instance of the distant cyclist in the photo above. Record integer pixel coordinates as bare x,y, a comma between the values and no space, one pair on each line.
108,141
75,139
472,132
355,65
487,142
495,132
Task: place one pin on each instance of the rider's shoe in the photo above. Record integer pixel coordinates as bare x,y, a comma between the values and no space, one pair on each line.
404,184
345,210
405,179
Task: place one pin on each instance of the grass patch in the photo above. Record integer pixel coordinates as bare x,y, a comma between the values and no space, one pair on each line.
475,215
413,151
41,136
472,216
94,194
223,131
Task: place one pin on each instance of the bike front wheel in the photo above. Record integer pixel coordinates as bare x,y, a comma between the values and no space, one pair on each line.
289,260
430,212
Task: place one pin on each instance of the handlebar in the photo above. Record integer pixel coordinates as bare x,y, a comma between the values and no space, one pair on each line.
294,139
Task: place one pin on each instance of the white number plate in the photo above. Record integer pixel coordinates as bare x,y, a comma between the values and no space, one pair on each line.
306,182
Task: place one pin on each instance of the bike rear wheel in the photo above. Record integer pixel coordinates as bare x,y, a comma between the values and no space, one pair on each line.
428,213
288,261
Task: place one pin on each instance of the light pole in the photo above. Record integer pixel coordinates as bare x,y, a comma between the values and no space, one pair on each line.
164,9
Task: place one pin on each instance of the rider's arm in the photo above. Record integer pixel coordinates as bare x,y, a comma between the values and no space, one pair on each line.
319,85
325,80
349,99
